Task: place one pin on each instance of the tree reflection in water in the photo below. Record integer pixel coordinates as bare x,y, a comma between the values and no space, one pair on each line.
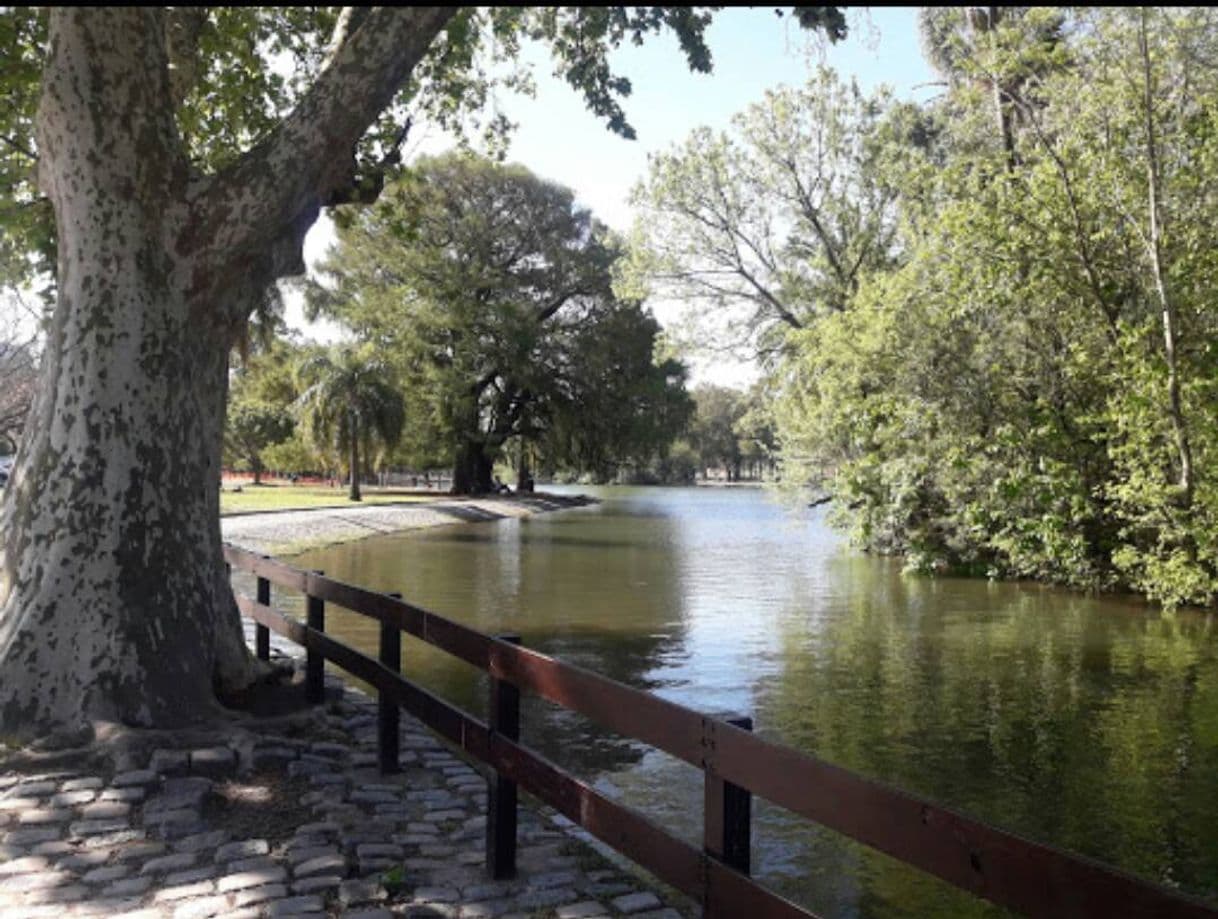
1090,724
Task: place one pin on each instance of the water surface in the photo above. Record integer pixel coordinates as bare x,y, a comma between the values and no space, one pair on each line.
1089,724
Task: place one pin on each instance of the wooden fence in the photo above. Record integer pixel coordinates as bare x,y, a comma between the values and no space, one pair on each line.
998,866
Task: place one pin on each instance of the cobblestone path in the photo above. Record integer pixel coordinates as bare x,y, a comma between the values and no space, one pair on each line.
290,817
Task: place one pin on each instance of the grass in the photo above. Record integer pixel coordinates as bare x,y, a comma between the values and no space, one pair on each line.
253,498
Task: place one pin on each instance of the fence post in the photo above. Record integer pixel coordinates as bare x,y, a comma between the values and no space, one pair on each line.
387,712
503,716
315,687
727,834
262,635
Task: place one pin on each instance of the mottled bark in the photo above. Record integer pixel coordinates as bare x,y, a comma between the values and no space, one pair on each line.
114,603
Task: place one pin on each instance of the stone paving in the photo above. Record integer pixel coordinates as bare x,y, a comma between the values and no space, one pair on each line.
289,816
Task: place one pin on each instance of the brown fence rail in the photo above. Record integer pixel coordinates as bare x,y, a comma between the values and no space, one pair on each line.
990,863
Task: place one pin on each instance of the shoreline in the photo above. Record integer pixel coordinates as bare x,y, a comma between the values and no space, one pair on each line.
290,532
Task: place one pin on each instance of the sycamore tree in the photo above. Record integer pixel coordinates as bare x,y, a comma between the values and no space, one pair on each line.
182,172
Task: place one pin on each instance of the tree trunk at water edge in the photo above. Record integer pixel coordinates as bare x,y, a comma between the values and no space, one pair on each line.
472,470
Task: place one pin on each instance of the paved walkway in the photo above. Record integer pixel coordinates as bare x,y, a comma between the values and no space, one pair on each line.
289,532
289,817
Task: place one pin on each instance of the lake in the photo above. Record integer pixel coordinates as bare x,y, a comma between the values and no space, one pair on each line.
1088,723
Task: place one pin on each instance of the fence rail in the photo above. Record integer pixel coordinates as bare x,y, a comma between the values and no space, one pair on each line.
993,864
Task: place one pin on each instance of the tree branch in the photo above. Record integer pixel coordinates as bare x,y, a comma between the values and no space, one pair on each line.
20,148
277,188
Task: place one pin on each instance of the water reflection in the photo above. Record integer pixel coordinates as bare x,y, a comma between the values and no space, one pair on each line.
1090,724
595,591
1059,717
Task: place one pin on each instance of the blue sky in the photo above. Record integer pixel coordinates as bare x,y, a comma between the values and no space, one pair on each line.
753,50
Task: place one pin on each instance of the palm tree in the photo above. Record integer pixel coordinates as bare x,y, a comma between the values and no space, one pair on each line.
349,402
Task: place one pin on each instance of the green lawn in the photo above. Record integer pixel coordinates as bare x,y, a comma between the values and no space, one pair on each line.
291,497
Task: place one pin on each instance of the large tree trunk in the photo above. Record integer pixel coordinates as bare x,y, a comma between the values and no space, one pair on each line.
524,478
472,470
114,603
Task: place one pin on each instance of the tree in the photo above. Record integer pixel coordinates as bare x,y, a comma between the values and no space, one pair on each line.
1028,393
622,402
251,427
718,412
261,392
349,403
18,370
774,224
755,432
491,290
183,174
974,44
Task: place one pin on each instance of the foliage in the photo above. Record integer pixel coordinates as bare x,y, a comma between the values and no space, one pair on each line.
490,291
18,370
253,426
772,225
732,430
350,403
623,405
27,246
237,71
1028,390
714,429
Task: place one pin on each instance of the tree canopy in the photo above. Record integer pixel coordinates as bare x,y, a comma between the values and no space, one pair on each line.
350,402
773,224
1027,389
490,290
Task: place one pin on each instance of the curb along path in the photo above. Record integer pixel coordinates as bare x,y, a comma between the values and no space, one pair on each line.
287,532
290,817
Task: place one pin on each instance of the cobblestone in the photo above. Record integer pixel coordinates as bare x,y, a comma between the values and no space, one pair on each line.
635,902
293,906
242,848
256,878
169,863
143,777
252,895
144,843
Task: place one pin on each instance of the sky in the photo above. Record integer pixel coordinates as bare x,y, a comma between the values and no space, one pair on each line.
753,50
